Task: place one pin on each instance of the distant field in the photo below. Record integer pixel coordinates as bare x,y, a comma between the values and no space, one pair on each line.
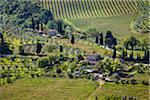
139,91
92,8
48,89
119,25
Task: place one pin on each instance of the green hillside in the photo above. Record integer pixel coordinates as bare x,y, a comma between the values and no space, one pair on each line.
93,8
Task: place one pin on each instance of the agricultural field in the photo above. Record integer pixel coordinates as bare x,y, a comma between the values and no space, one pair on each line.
113,91
46,88
119,25
92,8
101,14
74,50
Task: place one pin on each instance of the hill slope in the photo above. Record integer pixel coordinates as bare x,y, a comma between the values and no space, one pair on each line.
93,8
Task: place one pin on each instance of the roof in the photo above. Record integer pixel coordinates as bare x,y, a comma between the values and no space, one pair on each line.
89,70
52,32
94,57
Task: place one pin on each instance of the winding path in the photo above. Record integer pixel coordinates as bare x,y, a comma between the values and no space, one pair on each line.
101,82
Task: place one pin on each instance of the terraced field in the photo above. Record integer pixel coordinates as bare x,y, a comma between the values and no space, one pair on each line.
93,8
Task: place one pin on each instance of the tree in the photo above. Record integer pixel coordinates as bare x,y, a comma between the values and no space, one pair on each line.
59,25
45,16
69,75
1,38
91,31
58,70
68,31
109,65
133,42
97,39
80,57
42,26
109,39
42,62
33,24
101,39
39,47
72,39
38,25
114,42
61,48
52,25
131,56
114,53
21,51
146,55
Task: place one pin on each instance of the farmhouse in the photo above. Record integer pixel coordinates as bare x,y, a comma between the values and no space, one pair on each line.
93,59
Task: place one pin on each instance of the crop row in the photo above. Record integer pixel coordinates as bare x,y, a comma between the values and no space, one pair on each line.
92,8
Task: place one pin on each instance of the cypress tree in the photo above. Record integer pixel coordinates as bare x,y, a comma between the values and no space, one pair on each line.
38,25
114,42
39,47
33,24
59,24
131,56
72,39
42,26
97,39
61,48
114,53
147,56
101,39
2,38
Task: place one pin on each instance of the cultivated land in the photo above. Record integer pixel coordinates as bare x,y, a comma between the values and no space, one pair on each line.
103,15
119,90
48,89
92,8
119,25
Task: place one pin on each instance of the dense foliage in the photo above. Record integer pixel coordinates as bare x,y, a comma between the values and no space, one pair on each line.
23,13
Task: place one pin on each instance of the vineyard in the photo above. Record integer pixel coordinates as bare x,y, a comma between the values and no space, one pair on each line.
93,8
141,24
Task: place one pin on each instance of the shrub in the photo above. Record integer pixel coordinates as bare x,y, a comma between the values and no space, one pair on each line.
145,82
117,81
58,70
70,75
133,81
10,79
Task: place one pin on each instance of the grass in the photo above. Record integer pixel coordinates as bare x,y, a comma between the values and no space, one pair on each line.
139,91
48,89
89,48
119,25
141,76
